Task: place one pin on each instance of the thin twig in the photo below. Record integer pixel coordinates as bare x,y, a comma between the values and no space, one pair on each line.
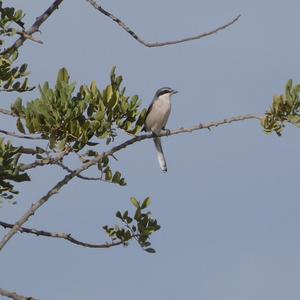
29,37
29,151
33,29
158,44
57,187
7,112
14,295
46,161
21,136
61,235
66,168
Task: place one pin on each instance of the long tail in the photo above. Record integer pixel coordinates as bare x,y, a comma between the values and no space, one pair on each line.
160,154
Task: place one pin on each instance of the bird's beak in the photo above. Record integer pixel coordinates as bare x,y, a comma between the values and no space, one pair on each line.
174,92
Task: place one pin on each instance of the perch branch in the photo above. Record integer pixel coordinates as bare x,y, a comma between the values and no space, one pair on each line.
158,44
60,235
57,187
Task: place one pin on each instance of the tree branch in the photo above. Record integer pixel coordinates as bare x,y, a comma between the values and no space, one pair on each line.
33,29
60,235
21,136
87,165
46,161
7,112
29,37
14,295
29,151
158,44
66,168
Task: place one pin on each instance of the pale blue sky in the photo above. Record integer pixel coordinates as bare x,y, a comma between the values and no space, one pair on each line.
229,204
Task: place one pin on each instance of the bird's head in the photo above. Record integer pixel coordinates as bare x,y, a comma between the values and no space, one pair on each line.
165,91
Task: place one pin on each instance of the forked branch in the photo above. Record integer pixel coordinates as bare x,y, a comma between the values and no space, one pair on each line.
28,34
158,44
61,235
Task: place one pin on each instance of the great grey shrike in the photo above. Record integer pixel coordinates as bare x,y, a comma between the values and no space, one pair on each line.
156,119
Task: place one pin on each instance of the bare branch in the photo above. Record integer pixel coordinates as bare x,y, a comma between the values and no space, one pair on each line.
66,168
30,151
215,124
45,161
7,112
33,29
60,235
29,37
14,295
21,136
87,165
158,44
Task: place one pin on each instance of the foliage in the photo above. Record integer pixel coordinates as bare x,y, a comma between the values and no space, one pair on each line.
11,78
10,169
9,16
71,120
66,118
285,108
74,119
139,227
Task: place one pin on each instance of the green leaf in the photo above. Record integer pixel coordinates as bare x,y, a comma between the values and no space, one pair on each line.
90,110
288,86
112,73
150,250
16,85
116,178
138,215
122,182
134,201
93,88
113,100
146,203
39,150
108,93
23,68
17,107
63,75
20,126
129,220
108,174
294,119
119,215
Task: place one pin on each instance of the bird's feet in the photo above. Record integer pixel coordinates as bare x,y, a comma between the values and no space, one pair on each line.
167,131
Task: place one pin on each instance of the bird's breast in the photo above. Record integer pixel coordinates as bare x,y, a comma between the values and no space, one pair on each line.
159,114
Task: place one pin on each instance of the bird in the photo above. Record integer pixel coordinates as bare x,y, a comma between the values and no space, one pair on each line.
156,119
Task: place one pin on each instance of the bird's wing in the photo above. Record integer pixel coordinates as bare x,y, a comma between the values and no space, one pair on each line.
147,113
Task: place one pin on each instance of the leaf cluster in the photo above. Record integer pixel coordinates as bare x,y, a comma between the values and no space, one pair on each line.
140,226
10,76
13,79
10,169
285,108
68,118
9,16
